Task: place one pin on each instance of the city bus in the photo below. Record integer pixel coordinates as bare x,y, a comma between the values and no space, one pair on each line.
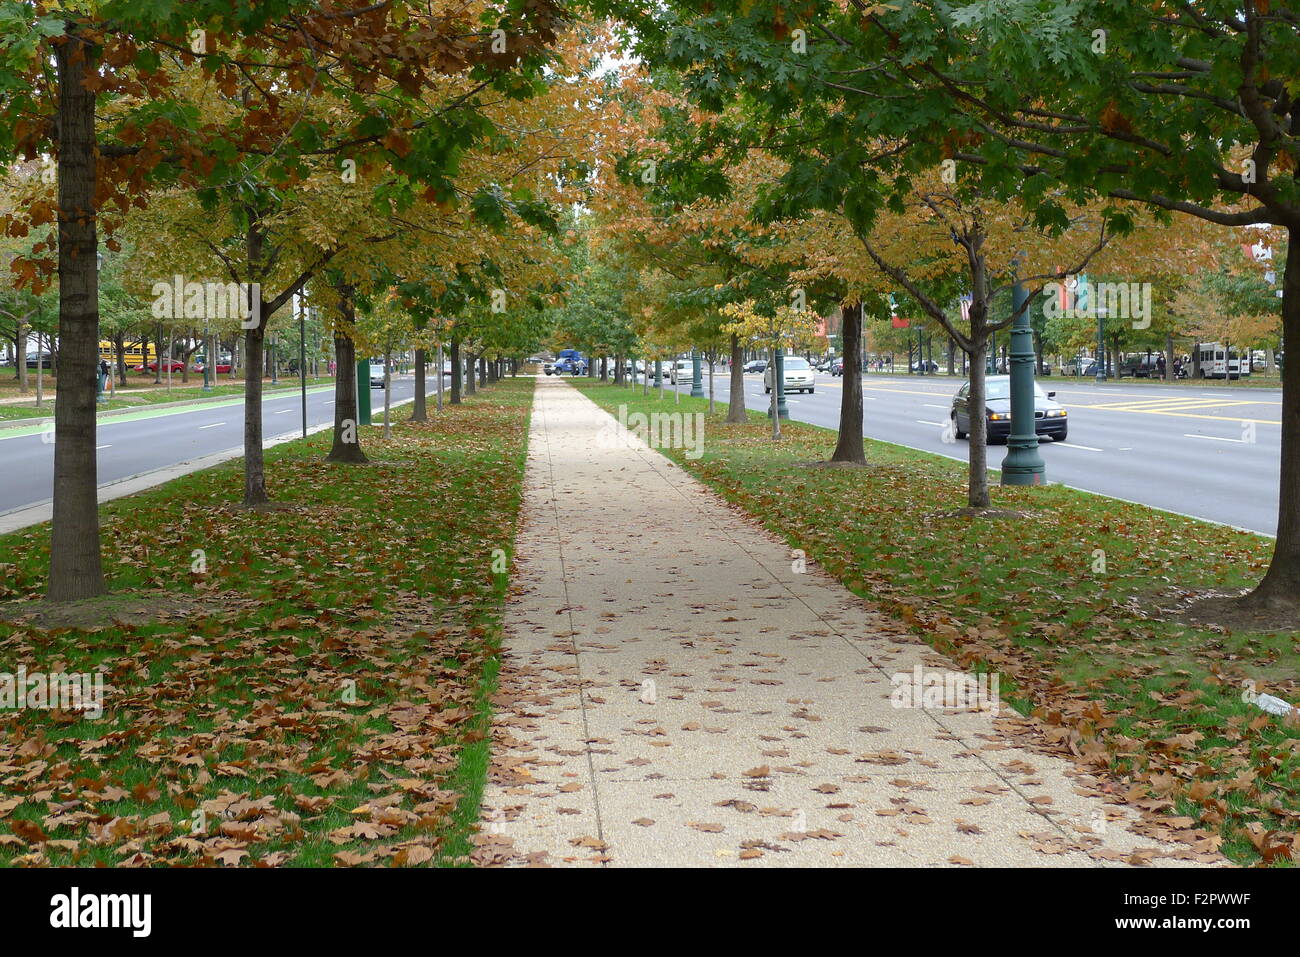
1216,362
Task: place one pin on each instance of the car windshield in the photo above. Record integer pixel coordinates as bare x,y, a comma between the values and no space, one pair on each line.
1001,389
793,363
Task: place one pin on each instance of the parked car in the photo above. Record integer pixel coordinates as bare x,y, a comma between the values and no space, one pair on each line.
682,370
1140,366
1050,418
570,366
757,365
222,367
837,366
1079,365
797,376
176,366
548,368
376,375
928,366
44,360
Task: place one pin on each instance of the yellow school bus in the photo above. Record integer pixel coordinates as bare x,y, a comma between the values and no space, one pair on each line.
136,353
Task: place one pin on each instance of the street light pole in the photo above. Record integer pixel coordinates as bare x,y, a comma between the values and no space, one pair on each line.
697,383
778,383
207,356
1101,346
1023,464
302,360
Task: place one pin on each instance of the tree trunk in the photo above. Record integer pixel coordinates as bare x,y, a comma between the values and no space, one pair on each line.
774,409
76,570
456,372
21,358
388,393
419,410
1169,357
979,432
849,447
1280,588
736,391
347,437
712,359
438,360
254,461
470,387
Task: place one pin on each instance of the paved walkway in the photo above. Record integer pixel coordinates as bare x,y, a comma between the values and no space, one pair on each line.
674,693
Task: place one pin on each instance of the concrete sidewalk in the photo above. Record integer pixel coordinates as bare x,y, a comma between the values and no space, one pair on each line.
674,692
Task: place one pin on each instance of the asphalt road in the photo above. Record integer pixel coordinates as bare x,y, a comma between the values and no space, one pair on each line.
1184,448
1187,448
142,441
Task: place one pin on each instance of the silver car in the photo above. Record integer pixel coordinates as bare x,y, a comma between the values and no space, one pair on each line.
798,376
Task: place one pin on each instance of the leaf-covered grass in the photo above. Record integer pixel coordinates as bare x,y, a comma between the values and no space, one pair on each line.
1155,704
317,695
143,393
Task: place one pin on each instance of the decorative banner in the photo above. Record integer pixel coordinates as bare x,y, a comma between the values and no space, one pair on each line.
893,314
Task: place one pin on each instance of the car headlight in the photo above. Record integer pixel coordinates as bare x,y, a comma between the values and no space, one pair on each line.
1055,413
999,416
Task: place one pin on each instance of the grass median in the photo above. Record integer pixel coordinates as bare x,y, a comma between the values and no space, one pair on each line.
304,685
141,395
1076,604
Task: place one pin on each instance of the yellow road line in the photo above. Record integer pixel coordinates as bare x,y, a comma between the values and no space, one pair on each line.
1192,415
1171,403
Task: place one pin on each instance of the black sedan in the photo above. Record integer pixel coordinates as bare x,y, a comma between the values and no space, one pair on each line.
1049,418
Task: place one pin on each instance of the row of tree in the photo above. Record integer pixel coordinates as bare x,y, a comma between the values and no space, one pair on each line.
926,160
401,166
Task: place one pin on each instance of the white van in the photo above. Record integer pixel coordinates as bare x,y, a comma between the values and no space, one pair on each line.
1219,363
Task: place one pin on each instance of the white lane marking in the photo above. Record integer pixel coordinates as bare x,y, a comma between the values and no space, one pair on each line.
285,411
212,426
98,447
1128,449
929,406
1213,438
1071,445
939,425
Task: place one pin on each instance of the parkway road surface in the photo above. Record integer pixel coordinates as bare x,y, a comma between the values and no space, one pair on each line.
149,439
1207,451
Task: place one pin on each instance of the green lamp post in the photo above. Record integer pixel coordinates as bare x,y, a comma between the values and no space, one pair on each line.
778,383
207,357
1023,464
